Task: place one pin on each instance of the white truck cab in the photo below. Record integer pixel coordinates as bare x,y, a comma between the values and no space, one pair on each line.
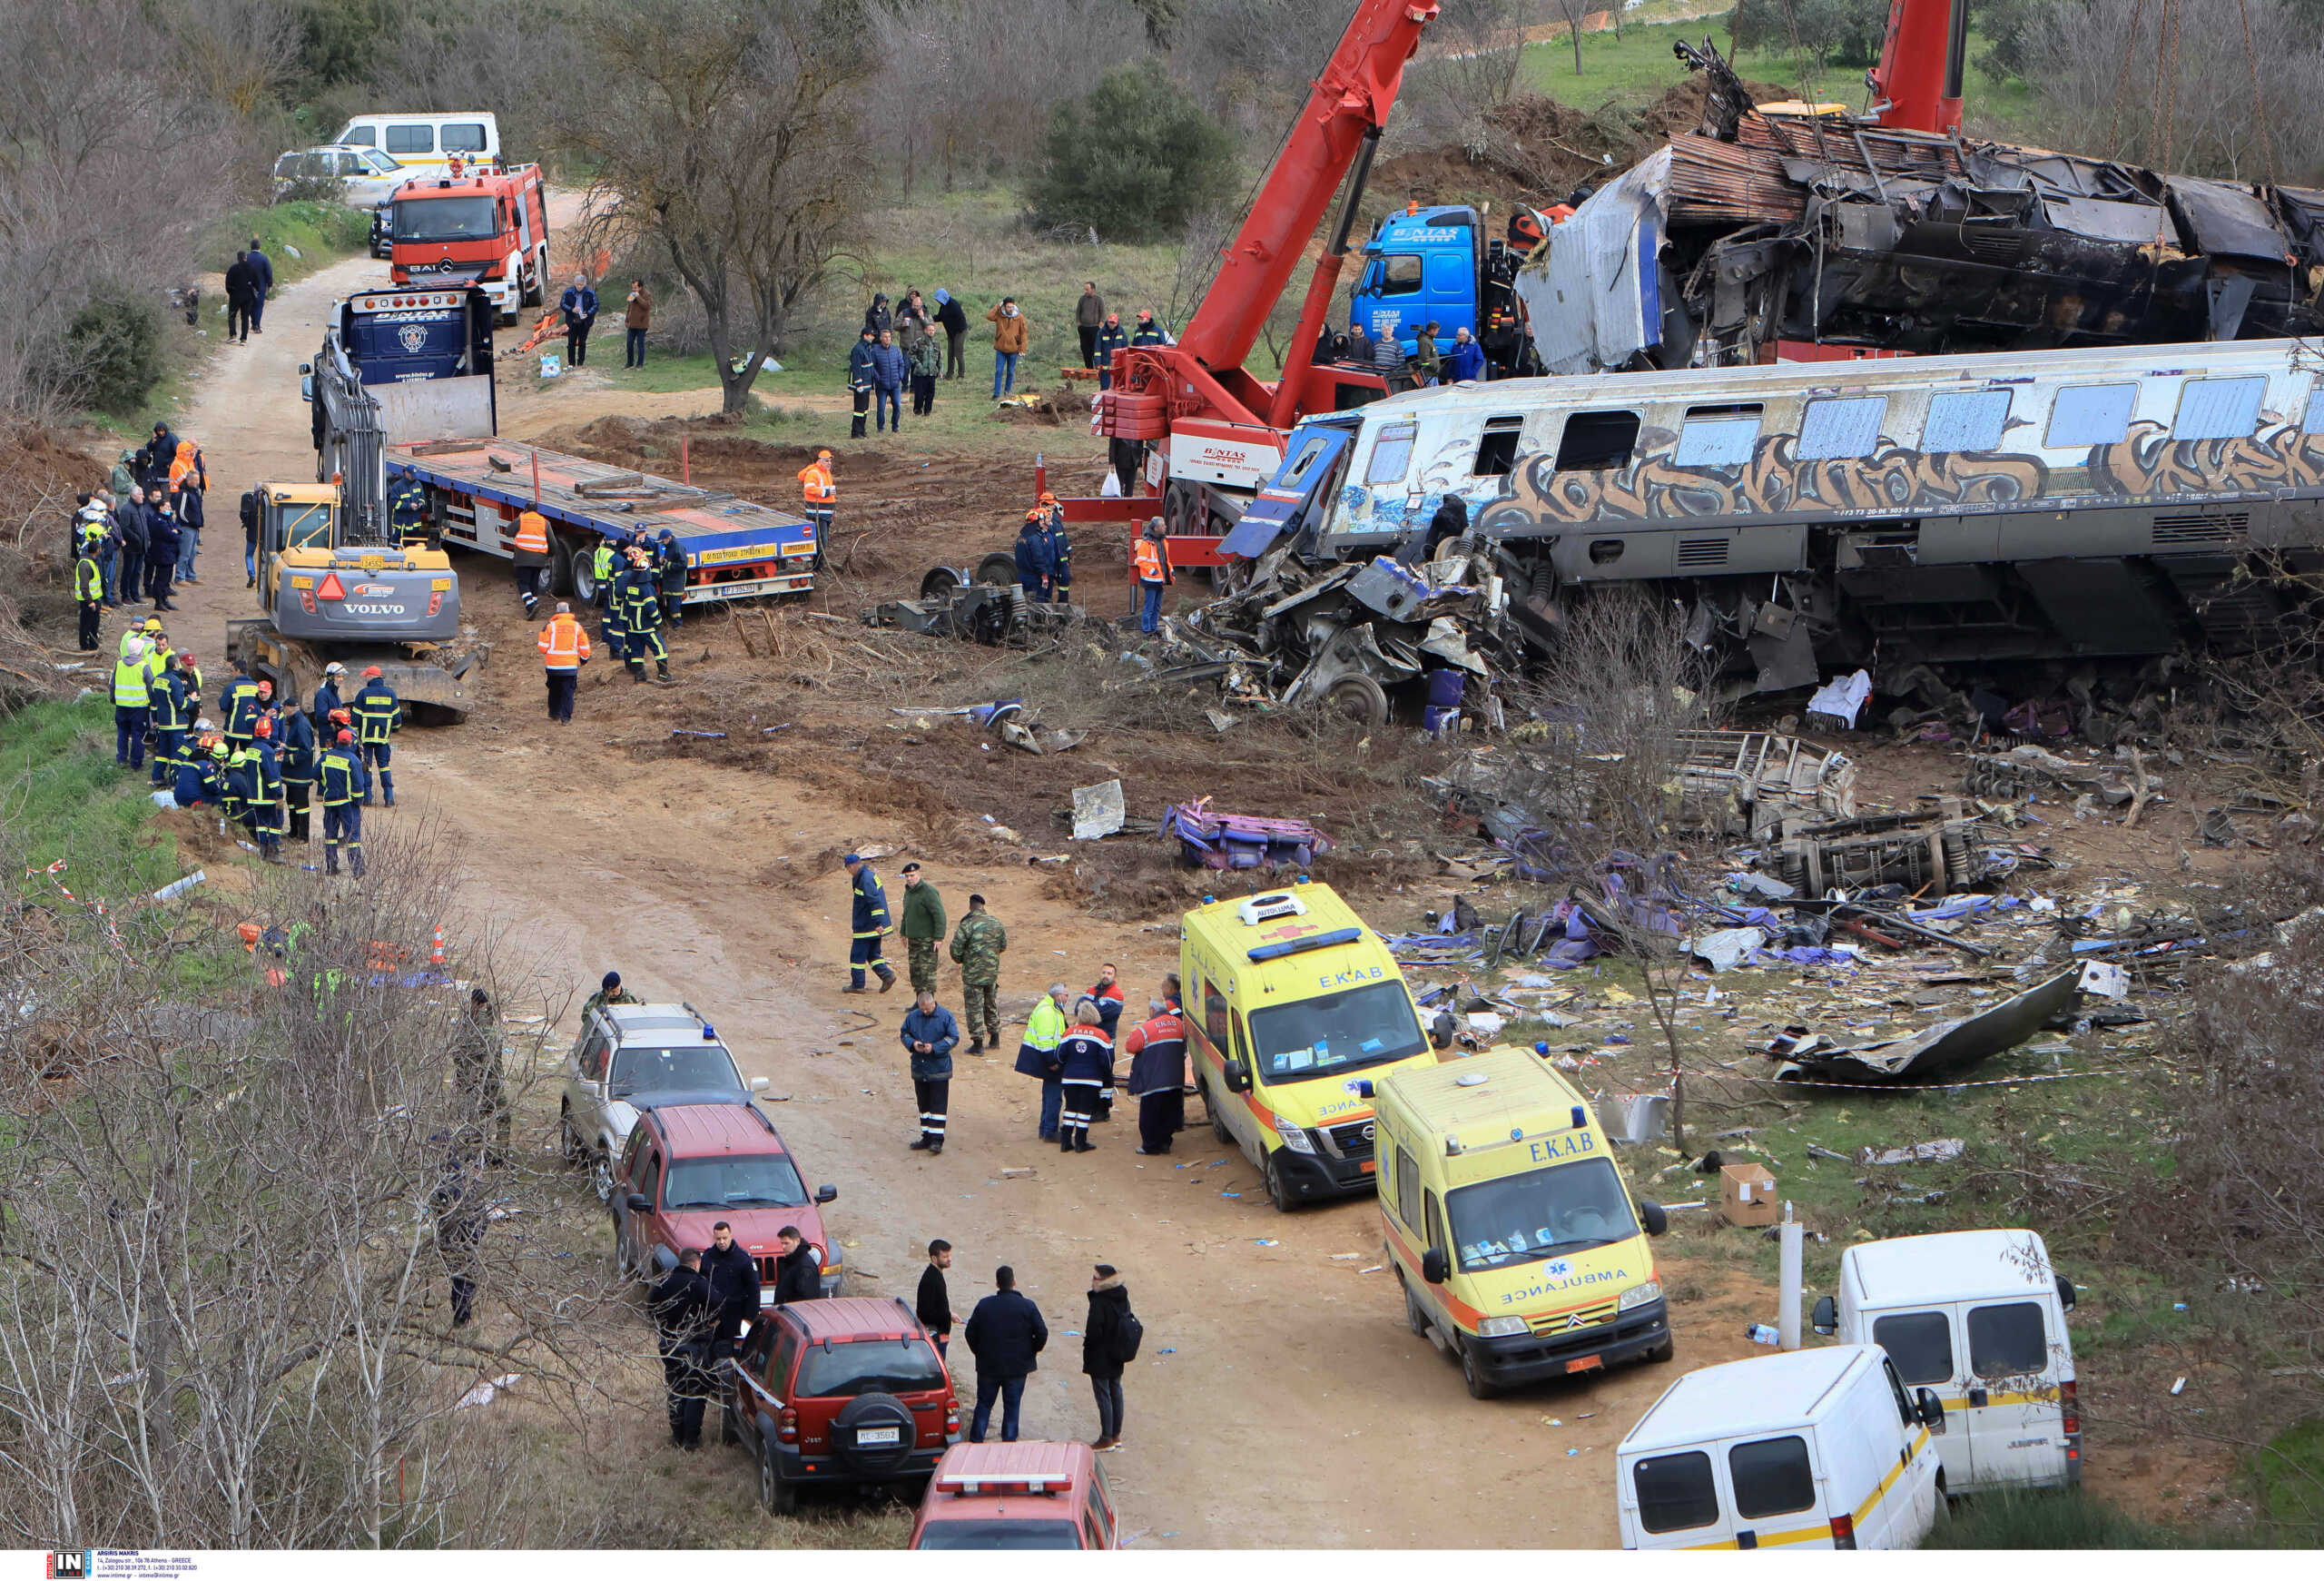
1818,1449
1979,1316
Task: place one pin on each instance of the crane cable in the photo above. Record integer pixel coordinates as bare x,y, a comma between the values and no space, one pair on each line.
2258,98
2122,78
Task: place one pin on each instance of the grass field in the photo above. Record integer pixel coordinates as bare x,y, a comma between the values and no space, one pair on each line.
67,801
1639,66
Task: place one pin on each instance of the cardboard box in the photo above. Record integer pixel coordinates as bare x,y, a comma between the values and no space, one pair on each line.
1746,1195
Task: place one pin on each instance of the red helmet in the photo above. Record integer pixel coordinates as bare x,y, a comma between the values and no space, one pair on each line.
372,673
347,738
263,728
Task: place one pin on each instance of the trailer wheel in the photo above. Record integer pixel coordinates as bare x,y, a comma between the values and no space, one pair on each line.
584,575
998,571
564,567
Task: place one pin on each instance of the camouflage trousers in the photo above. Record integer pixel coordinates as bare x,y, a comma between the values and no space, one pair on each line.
921,955
981,1016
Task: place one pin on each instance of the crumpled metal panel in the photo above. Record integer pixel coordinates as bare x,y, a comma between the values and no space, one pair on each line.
1946,1047
1592,289
2228,220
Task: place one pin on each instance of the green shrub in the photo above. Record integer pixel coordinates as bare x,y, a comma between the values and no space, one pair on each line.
2068,1518
111,356
1134,157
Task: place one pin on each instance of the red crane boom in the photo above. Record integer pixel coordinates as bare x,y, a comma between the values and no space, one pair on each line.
1917,84
1203,376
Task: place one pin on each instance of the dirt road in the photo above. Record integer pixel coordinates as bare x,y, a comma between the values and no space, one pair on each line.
1281,1400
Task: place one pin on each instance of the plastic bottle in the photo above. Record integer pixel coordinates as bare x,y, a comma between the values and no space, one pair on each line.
1763,1334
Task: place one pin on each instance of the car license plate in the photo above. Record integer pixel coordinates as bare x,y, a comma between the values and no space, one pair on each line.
868,1436
1585,1363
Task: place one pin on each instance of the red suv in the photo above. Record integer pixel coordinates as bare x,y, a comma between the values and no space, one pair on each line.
1027,1495
841,1391
687,1168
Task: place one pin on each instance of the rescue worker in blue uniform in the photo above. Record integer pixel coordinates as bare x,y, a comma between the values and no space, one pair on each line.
1035,569
344,787
296,749
1060,550
670,564
613,620
641,602
168,714
240,777
197,780
238,706
378,715
266,810
604,566
408,499
327,698
869,925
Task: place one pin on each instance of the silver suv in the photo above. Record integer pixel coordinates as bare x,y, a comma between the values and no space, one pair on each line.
634,1057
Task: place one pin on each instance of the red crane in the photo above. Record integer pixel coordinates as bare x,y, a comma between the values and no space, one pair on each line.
1916,86
1197,393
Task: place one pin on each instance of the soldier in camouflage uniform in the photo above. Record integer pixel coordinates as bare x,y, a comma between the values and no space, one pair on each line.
922,927
977,944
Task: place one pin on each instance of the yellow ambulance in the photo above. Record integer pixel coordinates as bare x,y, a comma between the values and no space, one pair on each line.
1290,1001
1518,1245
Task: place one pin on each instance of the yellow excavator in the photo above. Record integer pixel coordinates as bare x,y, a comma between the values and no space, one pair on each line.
336,578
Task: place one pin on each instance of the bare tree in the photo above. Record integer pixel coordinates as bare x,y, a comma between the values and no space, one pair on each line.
728,133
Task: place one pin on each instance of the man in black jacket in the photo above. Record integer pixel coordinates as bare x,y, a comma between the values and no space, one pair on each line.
798,1270
253,502
129,521
954,321
732,1275
860,373
681,1307
1102,1344
1005,1334
242,285
934,1305
261,283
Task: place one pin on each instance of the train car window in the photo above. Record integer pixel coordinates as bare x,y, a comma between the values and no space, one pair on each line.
2090,414
2314,422
1841,427
1597,442
2219,408
1392,454
1497,447
1718,436
1965,420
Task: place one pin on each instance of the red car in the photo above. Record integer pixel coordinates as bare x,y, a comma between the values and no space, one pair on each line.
849,1391
1027,1495
687,1168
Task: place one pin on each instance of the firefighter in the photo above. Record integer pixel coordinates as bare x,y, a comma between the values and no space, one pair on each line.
296,750
327,699
530,543
1034,567
240,773
168,714
1111,338
1061,550
266,809
670,565
408,502
819,494
604,565
238,706
870,924
641,599
378,715
1149,332
344,787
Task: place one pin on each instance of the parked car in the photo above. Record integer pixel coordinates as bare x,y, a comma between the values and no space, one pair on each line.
688,1167
365,175
847,1392
1025,1495
632,1058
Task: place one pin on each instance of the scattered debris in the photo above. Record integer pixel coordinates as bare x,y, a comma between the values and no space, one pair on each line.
1097,810
1235,841
1946,1047
1921,1153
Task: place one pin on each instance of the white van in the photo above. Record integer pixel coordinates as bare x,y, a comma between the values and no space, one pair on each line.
1980,1317
1803,1448
426,143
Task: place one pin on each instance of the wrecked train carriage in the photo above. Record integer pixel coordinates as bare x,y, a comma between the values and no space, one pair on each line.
2086,503
1781,234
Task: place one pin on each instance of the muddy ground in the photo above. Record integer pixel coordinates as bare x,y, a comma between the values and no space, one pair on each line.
1281,1399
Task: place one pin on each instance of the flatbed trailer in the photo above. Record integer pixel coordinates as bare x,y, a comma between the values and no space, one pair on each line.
734,548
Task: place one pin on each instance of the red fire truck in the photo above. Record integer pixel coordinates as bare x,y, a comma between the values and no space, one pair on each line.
485,224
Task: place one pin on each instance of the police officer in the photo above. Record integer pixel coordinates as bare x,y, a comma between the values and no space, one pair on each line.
680,1303
870,927
296,749
132,679
641,597
344,783
378,715
266,807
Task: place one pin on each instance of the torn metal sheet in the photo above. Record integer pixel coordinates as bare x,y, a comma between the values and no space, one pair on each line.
1942,1049
1942,1151
1099,810
1592,293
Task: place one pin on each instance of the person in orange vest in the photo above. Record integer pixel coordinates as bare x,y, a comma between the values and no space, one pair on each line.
565,648
531,544
1152,560
819,492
